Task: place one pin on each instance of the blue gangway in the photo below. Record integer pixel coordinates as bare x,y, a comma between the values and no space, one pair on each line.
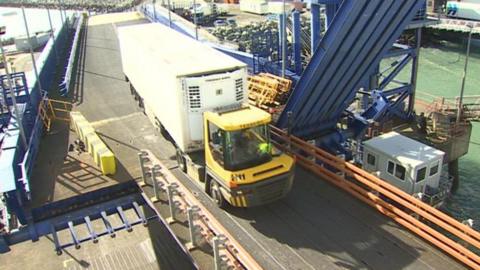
361,33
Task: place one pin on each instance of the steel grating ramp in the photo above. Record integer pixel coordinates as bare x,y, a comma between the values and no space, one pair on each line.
104,212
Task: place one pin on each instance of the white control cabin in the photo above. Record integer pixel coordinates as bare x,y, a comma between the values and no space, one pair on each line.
403,162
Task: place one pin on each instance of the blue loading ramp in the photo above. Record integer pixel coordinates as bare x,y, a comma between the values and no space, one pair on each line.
362,32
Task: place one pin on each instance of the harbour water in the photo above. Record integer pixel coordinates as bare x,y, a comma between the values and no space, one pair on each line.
440,74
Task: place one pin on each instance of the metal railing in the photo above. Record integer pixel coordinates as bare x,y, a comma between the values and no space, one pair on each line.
203,227
51,110
65,84
398,205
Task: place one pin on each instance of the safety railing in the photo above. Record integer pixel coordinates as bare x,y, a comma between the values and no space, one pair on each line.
202,225
471,104
19,88
51,110
65,84
26,166
398,205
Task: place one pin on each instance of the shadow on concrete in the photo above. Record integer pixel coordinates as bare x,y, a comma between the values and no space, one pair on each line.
317,216
169,253
103,135
82,263
60,173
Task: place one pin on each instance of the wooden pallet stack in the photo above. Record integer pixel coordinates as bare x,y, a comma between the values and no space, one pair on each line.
268,91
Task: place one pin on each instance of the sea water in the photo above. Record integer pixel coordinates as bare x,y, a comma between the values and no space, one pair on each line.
440,75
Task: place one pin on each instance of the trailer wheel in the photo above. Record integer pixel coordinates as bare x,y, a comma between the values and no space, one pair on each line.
217,194
181,161
126,79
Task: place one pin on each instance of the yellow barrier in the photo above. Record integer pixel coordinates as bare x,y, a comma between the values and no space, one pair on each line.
102,156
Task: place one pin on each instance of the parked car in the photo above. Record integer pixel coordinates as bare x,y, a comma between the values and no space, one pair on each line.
220,23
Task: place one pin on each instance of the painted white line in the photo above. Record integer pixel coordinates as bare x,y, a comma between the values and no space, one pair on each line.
300,257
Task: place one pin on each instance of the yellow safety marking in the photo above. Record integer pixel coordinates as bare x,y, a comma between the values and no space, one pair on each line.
244,201
103,157
239,203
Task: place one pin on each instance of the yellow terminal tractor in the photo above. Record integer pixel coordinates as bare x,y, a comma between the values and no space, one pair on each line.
242,167
195,96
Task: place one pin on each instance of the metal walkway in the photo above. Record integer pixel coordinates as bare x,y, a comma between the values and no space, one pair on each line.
353,46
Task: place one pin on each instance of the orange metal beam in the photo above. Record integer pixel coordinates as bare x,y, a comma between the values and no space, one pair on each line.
303,150
398,196
428,208
396,214
448,223
395,210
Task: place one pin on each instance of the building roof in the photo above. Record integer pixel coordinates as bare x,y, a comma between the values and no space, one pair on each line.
405,150
178,54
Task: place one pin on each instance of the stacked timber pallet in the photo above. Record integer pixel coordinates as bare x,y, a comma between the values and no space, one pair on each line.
267,91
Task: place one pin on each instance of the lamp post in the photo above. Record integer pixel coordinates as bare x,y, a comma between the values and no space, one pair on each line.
169,14
31,49
464,79
12,94
154,12
52,33
195,19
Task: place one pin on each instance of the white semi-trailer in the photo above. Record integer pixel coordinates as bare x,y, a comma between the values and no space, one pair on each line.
195,95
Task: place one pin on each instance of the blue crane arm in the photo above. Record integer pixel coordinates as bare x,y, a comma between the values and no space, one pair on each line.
362,32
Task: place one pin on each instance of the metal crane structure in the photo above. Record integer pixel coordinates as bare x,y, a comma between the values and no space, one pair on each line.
347,62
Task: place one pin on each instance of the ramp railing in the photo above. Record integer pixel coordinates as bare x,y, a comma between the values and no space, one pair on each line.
65,84
451,236
202,225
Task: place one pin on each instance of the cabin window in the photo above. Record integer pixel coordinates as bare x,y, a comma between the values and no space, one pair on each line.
434,169
400,171
371,159
216,140
391,167
421,173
